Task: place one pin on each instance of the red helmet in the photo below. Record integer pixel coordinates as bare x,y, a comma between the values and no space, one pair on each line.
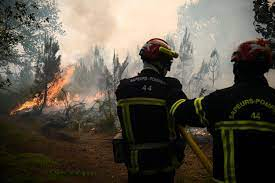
253,51
155,49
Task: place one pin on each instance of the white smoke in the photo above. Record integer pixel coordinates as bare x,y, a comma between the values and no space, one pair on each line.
119,24
219,24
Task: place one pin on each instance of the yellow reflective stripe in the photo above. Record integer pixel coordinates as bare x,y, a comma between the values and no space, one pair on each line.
171,126
124,117
199,110
246,125
227,134
129,125
225,155
136,160
175,106
229,155
132,159
249,128
124,103
232,156
142,101
217,181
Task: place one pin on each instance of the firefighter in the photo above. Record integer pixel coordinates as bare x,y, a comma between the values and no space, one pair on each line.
240,118
154,148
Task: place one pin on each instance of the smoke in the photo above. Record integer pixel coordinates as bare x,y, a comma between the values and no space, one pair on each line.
122,25
86,23
219,24
119,24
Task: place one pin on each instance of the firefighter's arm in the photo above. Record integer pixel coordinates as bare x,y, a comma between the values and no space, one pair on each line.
188,112
198,112
176,99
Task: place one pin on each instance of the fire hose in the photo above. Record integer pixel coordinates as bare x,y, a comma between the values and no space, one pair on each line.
194,146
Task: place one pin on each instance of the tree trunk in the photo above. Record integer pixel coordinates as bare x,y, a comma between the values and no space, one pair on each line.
44,99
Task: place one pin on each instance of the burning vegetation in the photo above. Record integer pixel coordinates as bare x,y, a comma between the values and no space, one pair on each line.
79,96
55,88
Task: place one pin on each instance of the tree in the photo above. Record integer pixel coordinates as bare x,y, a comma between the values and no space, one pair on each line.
112,79
214,65
23,22
186,57
197,82
47,69
264,18
135,63
118,70
26,76
169,39
88,76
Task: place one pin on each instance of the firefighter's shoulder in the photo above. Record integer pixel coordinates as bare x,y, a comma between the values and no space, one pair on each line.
123,82
173,82
219,95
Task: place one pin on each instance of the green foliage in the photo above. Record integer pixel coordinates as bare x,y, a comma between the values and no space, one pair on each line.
264,18
47,69
23,22
48,63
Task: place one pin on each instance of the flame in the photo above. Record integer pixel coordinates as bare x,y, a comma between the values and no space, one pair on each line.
72,99
53,91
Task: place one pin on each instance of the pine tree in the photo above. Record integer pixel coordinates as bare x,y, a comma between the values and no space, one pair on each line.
264,18
47,69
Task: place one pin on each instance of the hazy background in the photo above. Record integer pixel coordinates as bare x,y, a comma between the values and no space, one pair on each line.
122,25
119,24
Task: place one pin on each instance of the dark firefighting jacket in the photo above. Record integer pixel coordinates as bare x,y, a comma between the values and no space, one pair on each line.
143,116
241,120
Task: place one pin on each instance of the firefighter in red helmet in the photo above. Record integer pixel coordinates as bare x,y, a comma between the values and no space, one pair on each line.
153,147
241,118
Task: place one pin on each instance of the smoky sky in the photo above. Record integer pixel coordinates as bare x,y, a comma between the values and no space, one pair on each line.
221,25
115,24
122,25
86,23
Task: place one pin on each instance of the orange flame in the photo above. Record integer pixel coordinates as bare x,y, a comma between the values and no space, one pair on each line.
71,99
53,91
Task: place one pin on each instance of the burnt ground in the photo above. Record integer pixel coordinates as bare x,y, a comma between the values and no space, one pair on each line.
55,156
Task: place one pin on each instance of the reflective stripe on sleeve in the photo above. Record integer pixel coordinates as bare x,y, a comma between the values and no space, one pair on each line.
176,105
199,111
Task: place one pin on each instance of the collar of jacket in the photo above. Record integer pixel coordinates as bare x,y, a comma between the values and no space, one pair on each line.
149,72
257,80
